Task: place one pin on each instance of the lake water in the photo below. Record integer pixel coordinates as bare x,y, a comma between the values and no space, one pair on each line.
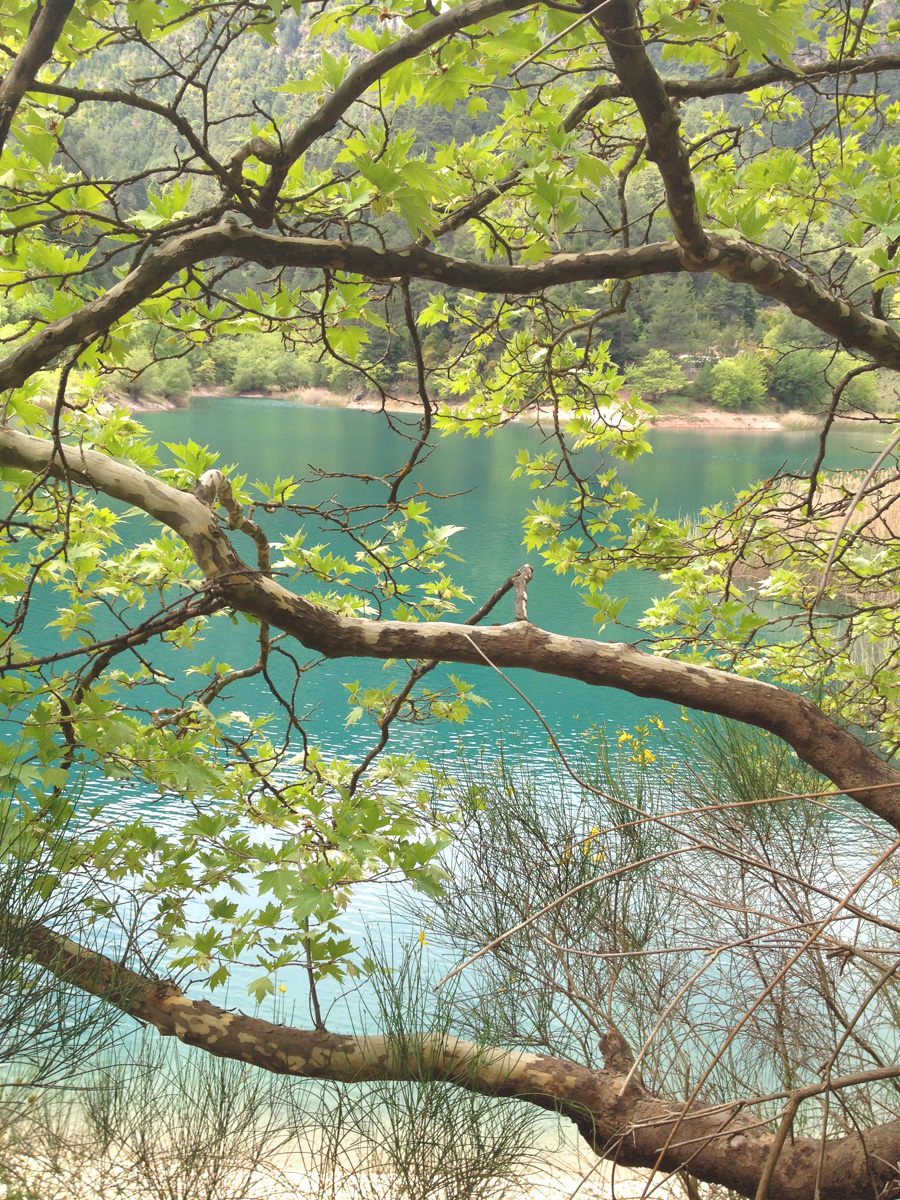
264,438
687,470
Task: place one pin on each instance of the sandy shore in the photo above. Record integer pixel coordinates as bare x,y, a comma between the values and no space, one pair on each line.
117,1178
718,419
707,419
372,1185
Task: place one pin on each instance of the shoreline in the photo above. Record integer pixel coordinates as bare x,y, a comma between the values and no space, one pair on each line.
708,419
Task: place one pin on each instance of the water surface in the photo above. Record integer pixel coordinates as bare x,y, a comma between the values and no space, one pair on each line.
687,470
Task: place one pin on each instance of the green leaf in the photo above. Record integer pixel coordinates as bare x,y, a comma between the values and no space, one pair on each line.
333,69
415,208
143,14
260,988
764,34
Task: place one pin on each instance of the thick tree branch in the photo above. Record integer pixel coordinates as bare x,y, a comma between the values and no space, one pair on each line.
617,20
720,1145
678,89
227,239
739,85
48,24
819,741
734,258
611,1107
770,275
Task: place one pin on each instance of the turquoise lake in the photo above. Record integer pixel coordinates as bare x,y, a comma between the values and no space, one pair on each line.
687,470
264,438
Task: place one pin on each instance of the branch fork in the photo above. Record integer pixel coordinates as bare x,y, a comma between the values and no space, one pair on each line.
521,580
212,488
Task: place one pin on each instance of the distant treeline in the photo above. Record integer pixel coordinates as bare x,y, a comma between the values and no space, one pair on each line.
703,339
696,336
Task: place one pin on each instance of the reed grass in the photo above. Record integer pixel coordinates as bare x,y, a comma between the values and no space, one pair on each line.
875,510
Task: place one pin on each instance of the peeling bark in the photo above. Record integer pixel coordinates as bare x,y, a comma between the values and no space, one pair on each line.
723,1145
818,740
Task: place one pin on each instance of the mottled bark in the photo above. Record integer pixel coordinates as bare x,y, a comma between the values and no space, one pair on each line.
722,1144
820,741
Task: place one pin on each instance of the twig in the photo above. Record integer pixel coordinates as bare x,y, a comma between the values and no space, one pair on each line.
575,25
870,475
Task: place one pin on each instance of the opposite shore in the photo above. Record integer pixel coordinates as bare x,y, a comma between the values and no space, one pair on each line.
701,417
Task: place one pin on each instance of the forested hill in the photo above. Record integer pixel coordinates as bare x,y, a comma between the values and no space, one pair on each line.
698,337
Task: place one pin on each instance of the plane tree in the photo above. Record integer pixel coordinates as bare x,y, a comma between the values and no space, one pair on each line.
604,145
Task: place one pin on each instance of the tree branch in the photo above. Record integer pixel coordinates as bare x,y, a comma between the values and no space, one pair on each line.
735,258
82,95
361,78
42,37
227,239
617,21
738,85
720,1146
678,89
818,740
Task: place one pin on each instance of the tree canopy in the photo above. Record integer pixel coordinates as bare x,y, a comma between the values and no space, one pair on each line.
478,191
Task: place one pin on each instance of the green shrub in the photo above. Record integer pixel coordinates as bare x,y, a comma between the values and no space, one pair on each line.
740,381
